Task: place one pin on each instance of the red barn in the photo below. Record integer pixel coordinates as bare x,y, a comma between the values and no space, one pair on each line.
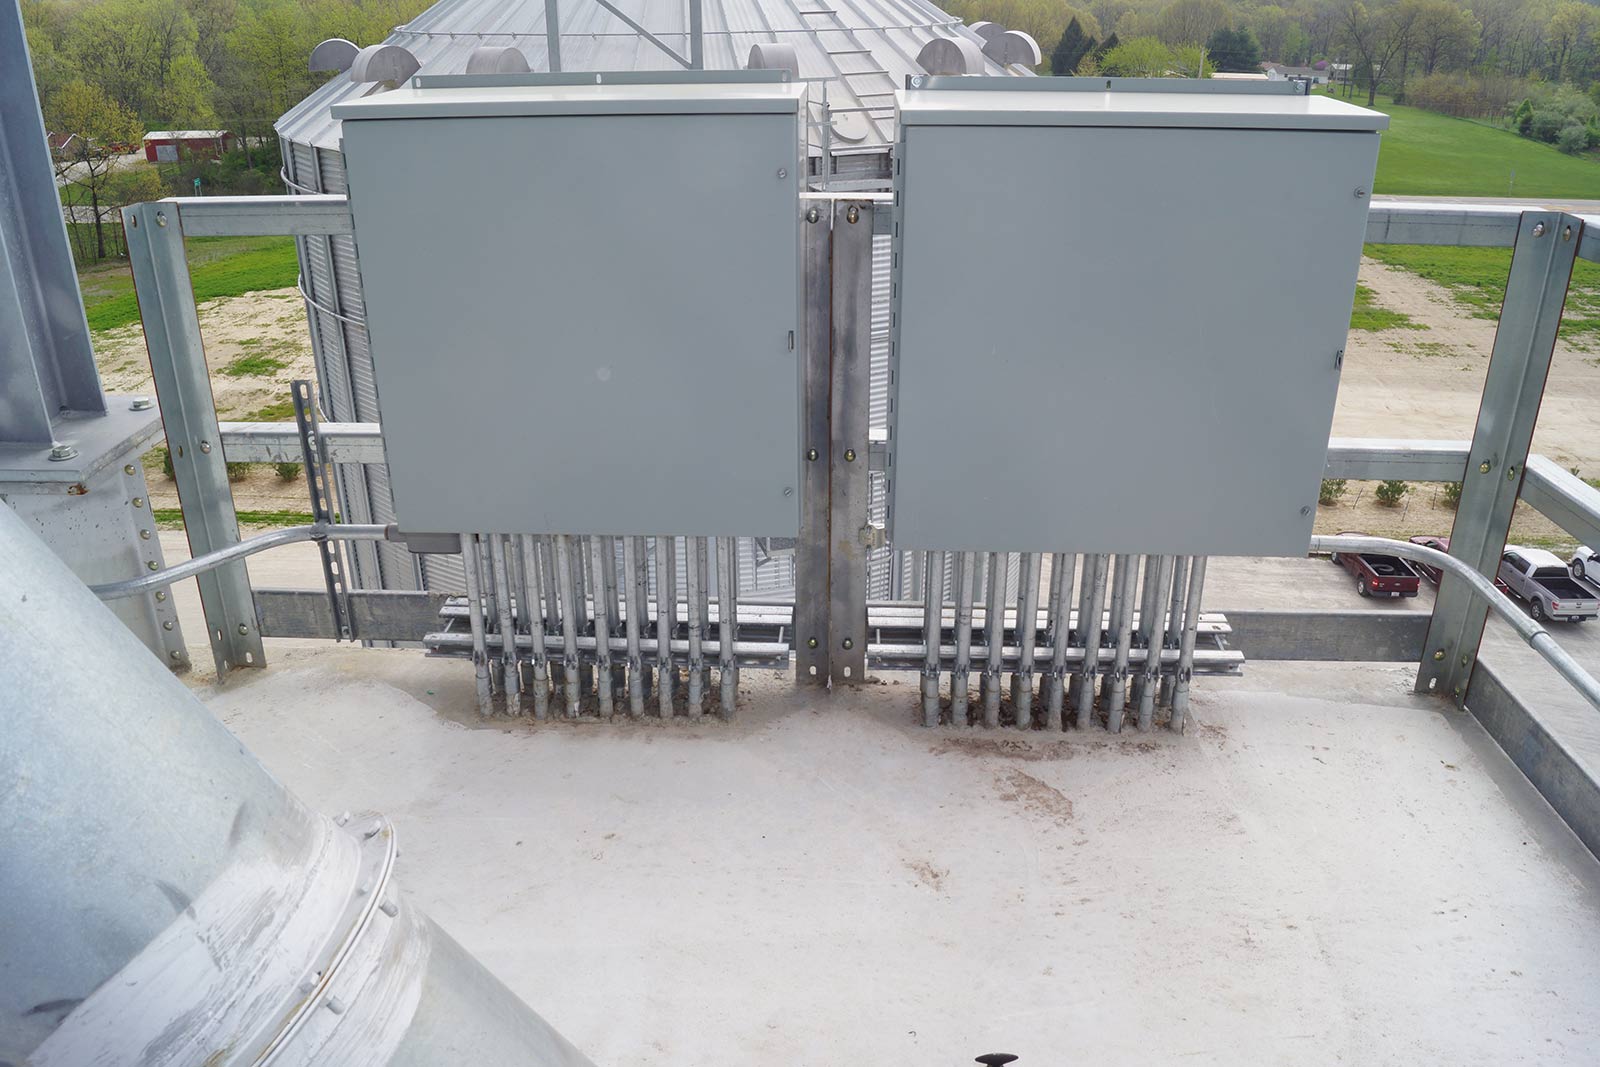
165,146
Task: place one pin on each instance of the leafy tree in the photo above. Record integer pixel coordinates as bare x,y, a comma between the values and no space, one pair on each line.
1375,39
96,125
1234,50
1445,34
1070,51
1141,57
1191,21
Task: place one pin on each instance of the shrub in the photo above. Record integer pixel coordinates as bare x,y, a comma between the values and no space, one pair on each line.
1390,492
1523,119
1332,490
1452,493
238,472
1572,140
166,460
287,472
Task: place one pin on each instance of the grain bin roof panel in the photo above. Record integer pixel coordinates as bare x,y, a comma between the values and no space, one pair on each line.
841,49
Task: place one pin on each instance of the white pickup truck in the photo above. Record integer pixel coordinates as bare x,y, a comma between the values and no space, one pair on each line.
1540,578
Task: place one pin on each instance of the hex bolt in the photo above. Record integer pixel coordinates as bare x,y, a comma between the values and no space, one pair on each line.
205,446
1483,468
60,452
849,455
137,501
811,642
811,454
127,468
1538,229
852,215
144,535
812,214
161,218
141,403
1439,655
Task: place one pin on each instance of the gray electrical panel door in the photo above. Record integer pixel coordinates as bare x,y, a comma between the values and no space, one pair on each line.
1121,338
583,303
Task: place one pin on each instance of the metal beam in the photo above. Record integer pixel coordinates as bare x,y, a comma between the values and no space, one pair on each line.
178,364
811,641
552,34
1374,459
261,216
697,36
1403,222
849,532
279,442
1558,775
646,34
1354,636
1536,292
1563,498
375,615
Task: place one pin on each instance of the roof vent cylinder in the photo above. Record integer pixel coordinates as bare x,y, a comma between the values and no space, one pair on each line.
950,55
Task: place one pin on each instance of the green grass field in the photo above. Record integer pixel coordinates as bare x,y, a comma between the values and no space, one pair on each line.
1427,154
218,266
1476,278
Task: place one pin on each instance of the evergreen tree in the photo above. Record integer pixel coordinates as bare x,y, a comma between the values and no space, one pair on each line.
1234,50
1070,50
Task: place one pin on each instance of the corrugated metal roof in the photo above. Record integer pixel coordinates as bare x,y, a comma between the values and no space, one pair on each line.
860,50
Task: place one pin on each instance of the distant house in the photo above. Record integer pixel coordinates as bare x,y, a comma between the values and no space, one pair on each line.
165,146
1283,72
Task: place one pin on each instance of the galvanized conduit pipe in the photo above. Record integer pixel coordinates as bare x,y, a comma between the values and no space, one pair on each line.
168,902
932,633
248,547
480,652
727,621
1537,637
965,567
533,620
1027,636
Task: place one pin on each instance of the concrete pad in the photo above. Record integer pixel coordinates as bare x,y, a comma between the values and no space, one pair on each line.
1327,869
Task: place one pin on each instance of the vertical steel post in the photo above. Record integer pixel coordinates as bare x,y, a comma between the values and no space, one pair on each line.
480,652
1536,293
183,384
812,643
666,622
552,34
1027,631
697,36
932,632
727,622
851,328
966,566
600,561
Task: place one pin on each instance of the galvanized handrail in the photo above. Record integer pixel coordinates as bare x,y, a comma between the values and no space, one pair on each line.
1537,637
212,560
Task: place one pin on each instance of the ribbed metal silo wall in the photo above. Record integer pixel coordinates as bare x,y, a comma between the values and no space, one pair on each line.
331,279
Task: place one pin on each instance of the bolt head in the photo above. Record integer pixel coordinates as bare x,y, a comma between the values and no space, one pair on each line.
59,453
161,218
1439,655
849,455
1483,468
853,214
144,535
811,642
1566,233
788,490
174,654
1538,229
205,446
1360,194
161,594
783,172
167,625
141,403
152,565
812,214
128,468
811,454
243,629
138,501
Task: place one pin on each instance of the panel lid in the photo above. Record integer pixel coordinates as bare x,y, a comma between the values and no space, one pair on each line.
489,97
1166,102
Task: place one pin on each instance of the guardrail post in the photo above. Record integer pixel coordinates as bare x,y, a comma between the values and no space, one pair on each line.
1536,291
849,534
811,641
189,414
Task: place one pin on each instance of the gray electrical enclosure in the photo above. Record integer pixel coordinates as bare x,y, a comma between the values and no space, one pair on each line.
571,280
1120,314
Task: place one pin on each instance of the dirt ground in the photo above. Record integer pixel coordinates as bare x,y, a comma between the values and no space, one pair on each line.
1400,383
1426,383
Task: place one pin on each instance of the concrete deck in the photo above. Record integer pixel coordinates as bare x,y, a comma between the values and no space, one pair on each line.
1327,869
